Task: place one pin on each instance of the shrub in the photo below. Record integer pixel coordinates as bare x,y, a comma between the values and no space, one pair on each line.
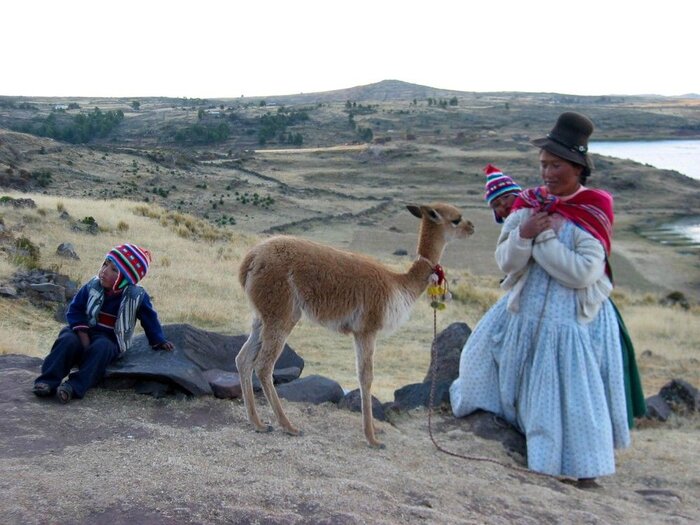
26,253
43,177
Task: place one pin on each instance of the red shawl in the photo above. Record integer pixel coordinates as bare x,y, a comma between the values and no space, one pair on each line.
590,210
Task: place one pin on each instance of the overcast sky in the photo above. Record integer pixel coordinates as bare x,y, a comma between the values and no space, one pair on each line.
229,48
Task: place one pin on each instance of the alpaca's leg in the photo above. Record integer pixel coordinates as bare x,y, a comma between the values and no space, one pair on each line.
272,347
364,355
244,362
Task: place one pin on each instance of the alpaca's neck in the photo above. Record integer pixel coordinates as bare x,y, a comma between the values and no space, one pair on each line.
430,243
430,248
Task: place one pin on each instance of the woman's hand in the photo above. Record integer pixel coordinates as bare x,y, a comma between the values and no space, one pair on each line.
535,224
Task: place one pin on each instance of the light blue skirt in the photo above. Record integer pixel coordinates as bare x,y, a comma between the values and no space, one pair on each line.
560,382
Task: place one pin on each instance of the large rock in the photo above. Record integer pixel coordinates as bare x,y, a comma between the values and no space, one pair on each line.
353,402
67,250
494,428
444,359
446,352
24,362
681,396
195,352
312,389
418,395
657,408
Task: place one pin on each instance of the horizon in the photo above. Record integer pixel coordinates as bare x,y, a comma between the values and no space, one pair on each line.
78,48
438,88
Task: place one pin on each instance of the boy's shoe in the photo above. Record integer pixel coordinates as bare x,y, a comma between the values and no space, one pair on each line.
41,389
64,393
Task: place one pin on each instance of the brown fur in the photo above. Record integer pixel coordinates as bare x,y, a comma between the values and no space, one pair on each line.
285,277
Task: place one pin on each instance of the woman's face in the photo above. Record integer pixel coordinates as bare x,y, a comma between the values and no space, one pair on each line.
560,176
108,274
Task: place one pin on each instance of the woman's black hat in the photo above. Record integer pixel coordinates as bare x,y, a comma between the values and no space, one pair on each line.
569,139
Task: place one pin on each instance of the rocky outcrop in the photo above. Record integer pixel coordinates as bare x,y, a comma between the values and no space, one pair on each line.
676,396
43,288
202,363
444,368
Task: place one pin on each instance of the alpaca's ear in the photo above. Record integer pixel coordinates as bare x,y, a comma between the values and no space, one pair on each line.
432,214
415,210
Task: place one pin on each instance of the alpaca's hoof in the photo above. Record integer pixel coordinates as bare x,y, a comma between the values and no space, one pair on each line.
264,429
293,431
376,444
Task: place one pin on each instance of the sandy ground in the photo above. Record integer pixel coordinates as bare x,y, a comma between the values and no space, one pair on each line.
117,457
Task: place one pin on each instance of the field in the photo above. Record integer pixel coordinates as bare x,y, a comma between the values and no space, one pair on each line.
198,205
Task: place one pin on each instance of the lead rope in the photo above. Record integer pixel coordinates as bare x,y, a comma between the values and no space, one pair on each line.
433,362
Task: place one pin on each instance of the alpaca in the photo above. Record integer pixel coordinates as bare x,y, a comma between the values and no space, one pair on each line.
285,277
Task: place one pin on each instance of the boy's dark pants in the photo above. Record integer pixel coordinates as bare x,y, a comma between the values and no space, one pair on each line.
68,351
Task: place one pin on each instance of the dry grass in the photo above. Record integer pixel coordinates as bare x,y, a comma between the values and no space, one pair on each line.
193,279
667,343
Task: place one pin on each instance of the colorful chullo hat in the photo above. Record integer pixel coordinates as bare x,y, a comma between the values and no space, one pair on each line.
132,263
498,184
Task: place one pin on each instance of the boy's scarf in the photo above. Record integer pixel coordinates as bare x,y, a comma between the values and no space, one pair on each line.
591,210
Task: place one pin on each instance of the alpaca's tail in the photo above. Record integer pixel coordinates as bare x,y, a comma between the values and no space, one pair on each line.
246,267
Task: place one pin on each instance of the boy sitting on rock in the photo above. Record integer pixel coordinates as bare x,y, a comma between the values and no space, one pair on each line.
101,321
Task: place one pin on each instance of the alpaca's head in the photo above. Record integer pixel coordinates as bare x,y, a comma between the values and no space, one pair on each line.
440,219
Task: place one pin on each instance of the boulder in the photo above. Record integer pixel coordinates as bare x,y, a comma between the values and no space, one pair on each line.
681,396
49,291
312,389
446,352
417,395
224,385
195,352
353,401
494,428
67,250
22,361
657,408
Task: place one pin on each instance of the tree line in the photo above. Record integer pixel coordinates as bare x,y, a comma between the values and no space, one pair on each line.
78,129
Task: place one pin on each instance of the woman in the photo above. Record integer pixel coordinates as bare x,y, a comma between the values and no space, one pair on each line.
547,356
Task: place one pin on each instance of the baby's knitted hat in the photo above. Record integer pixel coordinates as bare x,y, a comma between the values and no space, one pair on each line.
132,263
498,184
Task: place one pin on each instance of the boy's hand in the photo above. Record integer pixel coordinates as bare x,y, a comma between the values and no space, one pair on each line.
165,345
84,338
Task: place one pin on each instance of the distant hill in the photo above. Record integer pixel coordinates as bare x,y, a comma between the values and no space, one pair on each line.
384,91
392,90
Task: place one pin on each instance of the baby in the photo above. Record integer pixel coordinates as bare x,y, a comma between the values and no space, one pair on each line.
501,192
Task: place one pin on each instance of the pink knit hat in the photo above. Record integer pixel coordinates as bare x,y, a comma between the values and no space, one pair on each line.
132,263
498,184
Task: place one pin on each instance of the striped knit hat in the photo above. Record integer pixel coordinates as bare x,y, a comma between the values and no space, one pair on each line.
132,263
498,184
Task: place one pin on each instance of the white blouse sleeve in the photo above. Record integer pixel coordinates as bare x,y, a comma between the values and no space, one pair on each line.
513,252
580,267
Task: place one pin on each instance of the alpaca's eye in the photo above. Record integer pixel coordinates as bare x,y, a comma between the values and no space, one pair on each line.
457,221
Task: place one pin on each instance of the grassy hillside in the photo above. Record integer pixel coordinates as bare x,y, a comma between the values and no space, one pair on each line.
194,280
198,181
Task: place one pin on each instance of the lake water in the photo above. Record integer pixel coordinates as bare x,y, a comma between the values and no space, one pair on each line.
682,156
